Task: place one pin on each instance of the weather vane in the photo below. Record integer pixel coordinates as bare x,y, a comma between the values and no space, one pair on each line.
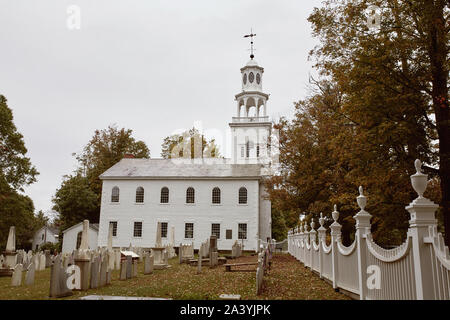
251,35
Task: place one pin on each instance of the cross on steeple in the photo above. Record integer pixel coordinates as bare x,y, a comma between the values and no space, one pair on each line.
251,35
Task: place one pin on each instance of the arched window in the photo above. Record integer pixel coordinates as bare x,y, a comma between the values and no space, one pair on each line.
165,195
242,195
139,195
79,239
115,194
190,195
216,196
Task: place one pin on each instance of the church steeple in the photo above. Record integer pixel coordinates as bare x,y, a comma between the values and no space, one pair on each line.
251,127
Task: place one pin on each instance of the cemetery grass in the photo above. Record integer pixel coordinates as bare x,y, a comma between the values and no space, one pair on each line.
287,279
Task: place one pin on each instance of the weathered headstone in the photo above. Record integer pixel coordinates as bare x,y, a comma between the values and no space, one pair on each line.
135,268
199,264
103,271
129,266
82,259
16,279
95,271
58,280
29,277
214,259
123,270
117,256
148,263
48,259
42,261
10,252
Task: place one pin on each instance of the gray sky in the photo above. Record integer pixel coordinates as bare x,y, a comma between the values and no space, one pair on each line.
151,66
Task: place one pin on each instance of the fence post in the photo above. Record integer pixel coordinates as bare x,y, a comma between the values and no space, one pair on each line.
312,239
335,237
322,240
422,213
305,239
362,229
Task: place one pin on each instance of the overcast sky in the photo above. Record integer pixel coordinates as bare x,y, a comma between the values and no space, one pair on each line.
151,66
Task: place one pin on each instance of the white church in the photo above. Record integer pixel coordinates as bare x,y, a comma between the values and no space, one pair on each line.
200,197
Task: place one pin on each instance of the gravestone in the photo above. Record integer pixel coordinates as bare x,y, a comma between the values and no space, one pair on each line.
135,268
160,262
117,255
83,256
103,270
129,266
213,259
48,259
42,261
123,270
148,263
16,279
10,252
199,264
58,280
95,271
29,277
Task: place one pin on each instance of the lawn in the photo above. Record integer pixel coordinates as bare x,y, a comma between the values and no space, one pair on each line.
288,279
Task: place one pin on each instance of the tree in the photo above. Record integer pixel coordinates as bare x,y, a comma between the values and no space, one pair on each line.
406,63
79,196
75,201
190,144
17,210
332,146
16,169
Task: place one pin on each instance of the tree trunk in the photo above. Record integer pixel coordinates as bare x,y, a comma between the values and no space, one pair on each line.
438,55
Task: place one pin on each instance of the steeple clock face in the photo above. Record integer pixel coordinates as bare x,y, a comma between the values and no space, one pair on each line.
258,78
245,78
251,77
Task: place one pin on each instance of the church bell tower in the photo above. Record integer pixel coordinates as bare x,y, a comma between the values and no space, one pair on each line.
251,127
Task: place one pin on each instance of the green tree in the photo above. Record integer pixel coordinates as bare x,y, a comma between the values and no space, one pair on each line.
17,210
16,171
79,196
75,201
190,144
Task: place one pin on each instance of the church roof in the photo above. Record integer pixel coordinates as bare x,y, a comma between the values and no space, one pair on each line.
181,169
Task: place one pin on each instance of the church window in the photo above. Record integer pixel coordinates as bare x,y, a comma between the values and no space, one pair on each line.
164,227
114,231
248,149
190,195
215,230
229,234
242,152
189,230
251,77
242,195
242,231
115,194
257,151
137,232
216,196
79,239
139,195
165,195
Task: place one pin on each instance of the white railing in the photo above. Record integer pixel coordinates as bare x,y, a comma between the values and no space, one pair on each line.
417,269
250,119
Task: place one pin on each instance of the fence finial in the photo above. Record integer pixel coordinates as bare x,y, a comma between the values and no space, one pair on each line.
419,180
313,224
361,199
321,220
335,214
306,227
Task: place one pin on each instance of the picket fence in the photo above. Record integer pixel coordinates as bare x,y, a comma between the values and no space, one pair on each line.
419,269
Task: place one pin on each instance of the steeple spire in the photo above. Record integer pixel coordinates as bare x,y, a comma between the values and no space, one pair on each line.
251,35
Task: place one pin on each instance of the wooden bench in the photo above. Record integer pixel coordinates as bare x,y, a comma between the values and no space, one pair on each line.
229,265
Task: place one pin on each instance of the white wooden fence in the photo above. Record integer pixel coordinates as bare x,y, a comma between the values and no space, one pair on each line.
417,269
